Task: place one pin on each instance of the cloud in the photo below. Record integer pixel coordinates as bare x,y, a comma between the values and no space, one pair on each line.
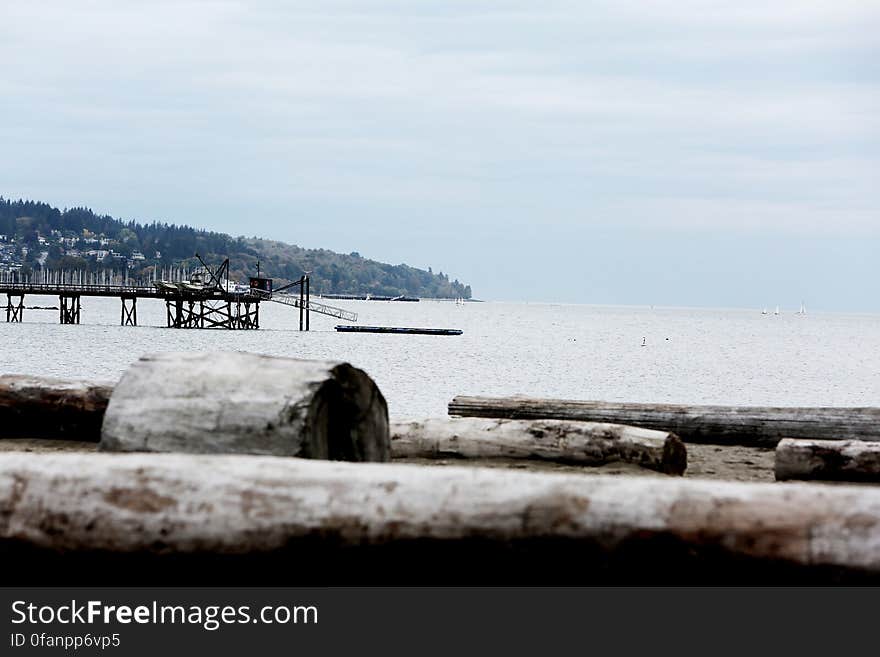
705,116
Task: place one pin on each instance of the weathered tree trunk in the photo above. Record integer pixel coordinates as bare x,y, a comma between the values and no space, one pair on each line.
840,460
38,407
723,425
233,402
586,443
256,507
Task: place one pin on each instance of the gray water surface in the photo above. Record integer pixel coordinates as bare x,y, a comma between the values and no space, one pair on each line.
548,350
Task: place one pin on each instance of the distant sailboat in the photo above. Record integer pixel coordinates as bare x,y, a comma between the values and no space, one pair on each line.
803,310
776,312
764,312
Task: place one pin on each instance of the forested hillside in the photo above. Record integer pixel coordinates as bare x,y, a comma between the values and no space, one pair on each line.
35,235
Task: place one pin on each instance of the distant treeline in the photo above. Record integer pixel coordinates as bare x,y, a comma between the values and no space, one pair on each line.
62,239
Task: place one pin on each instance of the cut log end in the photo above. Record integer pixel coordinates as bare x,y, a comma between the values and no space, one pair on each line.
674,460
358,418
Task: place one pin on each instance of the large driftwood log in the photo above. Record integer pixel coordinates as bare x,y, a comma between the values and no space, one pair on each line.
38,407
840,460
256,507
724,425
587,443
233,402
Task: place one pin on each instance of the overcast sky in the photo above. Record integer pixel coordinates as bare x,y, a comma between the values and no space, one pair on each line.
674,153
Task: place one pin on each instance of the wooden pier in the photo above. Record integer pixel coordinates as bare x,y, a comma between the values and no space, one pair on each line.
211,306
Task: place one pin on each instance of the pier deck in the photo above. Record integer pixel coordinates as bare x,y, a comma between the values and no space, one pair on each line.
143,292
211,307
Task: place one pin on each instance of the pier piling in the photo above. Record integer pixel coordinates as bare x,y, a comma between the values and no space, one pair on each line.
129,310
69,308
213,313
14,311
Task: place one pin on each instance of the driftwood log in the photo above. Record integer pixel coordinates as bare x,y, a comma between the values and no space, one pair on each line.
831,460
38,407
233,402
141,515
723,425
586,443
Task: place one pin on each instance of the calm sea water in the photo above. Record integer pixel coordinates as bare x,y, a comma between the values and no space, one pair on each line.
547,350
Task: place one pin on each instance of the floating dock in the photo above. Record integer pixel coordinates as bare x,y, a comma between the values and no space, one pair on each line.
398,329
368,297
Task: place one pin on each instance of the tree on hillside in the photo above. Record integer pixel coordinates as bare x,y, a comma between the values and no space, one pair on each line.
331,272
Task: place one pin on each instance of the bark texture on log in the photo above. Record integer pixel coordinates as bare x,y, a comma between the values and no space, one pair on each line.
241,505
234,402
587,443
723,425
830,460
40,407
